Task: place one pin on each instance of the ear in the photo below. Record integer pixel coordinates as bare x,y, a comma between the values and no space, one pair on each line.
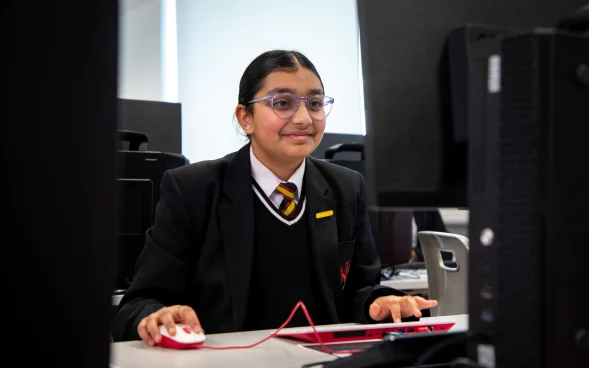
244,118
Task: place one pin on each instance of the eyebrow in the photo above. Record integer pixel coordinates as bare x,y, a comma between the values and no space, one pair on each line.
310,92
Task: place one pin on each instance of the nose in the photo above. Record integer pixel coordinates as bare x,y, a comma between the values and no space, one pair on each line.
302,116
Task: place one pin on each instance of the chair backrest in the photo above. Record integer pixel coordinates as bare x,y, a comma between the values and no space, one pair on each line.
449,286
139,175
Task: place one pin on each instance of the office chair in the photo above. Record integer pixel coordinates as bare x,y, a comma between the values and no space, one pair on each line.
429,221
449,286
138,183
341,148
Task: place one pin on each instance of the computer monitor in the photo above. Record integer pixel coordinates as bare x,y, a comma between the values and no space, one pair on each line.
160,121
529,116
59,210
416,133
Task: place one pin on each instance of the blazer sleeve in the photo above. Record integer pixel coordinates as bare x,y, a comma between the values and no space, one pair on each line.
363,284
163,268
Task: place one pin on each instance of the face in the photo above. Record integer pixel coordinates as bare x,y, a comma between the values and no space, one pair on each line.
285,139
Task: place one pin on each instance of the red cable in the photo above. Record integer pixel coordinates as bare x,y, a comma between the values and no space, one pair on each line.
273,334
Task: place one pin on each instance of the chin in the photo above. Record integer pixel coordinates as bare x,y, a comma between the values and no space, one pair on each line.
300,151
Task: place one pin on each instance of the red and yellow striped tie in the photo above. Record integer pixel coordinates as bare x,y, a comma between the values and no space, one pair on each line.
288,205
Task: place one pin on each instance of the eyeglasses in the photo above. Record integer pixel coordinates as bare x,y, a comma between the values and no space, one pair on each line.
286,105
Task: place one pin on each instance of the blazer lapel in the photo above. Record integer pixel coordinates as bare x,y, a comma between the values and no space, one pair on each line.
237,231
322,234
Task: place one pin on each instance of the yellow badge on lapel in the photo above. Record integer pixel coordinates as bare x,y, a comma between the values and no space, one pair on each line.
323,214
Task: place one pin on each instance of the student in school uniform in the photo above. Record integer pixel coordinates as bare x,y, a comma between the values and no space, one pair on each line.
238,241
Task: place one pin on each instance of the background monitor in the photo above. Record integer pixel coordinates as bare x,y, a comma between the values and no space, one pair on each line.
416,136
160,121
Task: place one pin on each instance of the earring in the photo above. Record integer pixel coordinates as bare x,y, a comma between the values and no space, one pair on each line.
248,127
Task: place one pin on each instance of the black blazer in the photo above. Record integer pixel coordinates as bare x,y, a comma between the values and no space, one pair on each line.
200,250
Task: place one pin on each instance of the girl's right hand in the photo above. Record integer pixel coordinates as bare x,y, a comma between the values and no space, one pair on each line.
149,327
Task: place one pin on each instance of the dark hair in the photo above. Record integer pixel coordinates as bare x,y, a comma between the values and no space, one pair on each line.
276,60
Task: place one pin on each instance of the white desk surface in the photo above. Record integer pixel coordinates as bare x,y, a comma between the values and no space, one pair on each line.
275,352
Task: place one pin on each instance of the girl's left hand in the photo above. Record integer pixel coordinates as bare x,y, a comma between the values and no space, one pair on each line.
397,307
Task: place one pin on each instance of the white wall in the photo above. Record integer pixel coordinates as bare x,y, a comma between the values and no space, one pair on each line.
140,50
218,39
195,51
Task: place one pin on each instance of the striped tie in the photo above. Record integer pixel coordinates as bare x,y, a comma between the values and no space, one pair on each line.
288,205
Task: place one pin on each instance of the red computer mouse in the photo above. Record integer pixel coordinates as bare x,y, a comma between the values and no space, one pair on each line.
184,338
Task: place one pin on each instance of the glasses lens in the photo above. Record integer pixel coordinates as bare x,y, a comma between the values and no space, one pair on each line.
319,106
284,105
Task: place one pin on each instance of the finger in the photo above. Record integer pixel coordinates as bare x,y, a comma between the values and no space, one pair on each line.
152,325
142,331
395,310
430,303
413,307
167,319
424,303
376,312
188,315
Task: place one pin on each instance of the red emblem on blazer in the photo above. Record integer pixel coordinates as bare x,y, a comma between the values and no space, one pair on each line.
343,272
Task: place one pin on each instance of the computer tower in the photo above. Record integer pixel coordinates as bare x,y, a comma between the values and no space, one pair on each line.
529,203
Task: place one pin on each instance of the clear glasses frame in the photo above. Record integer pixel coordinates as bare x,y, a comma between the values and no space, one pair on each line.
317,112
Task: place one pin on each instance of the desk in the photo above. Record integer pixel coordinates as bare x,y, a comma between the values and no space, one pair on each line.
276,352
412,282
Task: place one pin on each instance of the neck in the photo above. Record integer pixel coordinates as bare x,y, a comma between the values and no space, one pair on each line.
283,169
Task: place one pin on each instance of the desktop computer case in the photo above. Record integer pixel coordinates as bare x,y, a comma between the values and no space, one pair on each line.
529,202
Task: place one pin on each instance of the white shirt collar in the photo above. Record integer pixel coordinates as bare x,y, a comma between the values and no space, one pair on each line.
268,181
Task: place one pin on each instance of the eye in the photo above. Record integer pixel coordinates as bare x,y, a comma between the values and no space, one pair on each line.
316,103
283,102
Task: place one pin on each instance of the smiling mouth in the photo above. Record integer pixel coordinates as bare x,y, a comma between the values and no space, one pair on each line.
299,137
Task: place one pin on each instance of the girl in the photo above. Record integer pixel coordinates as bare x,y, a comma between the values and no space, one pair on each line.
238,241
